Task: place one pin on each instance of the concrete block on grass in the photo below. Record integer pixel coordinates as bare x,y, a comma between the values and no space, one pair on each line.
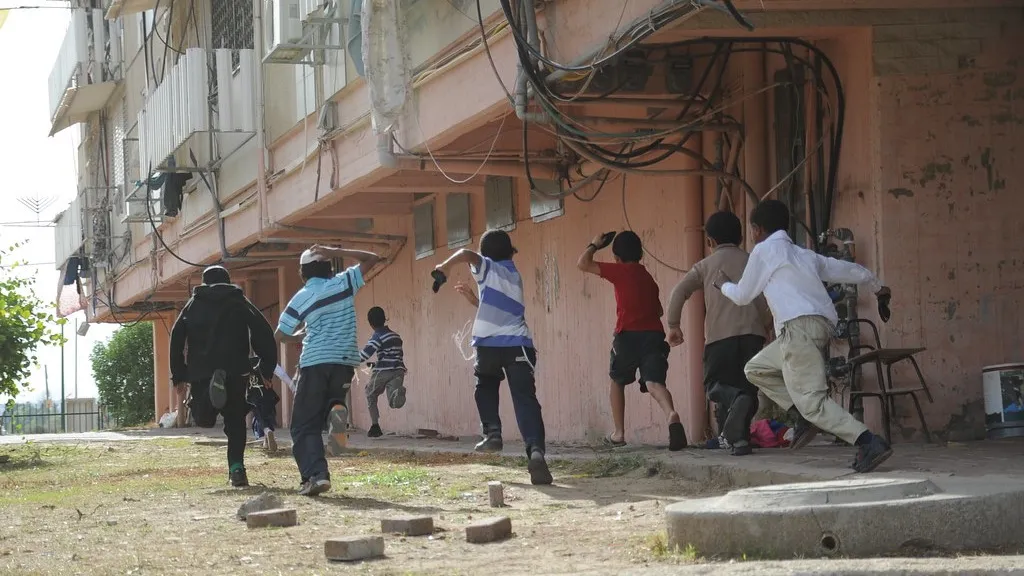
496,494
354,548
408,525
279,517
489,530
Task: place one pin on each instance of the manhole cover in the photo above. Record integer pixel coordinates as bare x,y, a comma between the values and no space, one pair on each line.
834,492
856,518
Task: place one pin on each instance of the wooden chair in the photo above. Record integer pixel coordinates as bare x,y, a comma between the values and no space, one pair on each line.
864,354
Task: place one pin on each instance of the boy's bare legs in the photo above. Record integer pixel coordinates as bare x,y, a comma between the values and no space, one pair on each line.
676,433
617,399
663,397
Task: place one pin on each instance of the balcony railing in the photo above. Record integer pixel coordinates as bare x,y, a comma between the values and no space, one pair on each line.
86,71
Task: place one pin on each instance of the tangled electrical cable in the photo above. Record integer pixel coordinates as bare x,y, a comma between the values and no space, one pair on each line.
637,151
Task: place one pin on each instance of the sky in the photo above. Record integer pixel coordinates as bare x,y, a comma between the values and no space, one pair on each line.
33,165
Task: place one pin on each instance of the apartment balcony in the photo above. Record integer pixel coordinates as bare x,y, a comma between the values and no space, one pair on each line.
87,69
202,113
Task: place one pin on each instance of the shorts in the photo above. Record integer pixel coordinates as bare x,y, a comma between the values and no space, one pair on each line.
646,352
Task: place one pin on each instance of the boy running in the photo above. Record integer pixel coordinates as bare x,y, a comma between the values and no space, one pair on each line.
388,370
732,334
791,370
639,340
504,347
330,355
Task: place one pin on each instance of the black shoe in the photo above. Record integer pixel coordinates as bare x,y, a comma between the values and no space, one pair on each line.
374,431
540,475
676,437
743,449
490,444
218,391
803,432
396,400
238,478
872,454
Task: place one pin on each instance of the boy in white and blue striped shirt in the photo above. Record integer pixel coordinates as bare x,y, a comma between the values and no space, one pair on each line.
388,370
504,346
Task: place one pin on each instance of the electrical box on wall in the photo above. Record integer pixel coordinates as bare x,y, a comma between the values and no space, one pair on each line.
634,71
679,75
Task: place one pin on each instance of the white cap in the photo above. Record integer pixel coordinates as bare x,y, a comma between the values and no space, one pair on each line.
309,256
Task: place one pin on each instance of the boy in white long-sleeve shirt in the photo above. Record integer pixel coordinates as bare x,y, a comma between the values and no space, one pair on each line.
791,370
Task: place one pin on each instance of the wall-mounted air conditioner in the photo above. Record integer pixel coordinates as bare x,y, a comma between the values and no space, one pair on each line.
284,34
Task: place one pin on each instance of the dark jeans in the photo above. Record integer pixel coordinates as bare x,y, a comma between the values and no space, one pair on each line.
727,386
263,403
205,415
320,388
493,364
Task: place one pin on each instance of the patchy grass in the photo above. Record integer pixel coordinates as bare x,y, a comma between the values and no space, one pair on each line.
163,506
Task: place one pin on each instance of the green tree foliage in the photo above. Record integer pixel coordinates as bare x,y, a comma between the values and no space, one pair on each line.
25,325
123,370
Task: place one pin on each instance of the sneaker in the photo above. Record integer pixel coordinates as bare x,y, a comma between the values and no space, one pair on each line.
315,487
269,442
540,475
872,454
337,425
218,390
238,478
490,444
803,432
742,448
374,431
397,398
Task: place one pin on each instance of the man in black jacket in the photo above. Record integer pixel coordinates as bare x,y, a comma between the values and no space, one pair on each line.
219,326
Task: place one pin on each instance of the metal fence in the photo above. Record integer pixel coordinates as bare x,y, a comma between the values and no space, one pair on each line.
43,421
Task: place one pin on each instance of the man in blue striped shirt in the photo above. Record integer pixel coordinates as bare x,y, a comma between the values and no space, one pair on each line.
330,354
504,347
388,370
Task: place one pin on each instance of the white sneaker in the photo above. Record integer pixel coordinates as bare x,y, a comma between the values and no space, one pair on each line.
269,442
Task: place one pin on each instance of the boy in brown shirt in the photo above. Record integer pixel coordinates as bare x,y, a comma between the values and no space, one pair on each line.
732,334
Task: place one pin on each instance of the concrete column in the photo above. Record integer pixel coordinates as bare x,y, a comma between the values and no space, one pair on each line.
695,417
161,367
755,129
288,283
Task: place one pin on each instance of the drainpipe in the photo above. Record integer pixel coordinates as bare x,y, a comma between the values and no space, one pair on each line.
261,132
527,13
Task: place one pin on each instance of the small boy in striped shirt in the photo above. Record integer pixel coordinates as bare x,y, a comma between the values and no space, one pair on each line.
388,370
504,347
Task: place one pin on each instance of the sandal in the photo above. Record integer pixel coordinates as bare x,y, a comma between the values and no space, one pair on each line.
607,441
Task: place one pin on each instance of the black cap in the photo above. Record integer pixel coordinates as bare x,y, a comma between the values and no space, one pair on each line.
216,275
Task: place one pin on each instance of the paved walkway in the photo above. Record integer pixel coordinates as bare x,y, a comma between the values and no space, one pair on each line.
996,461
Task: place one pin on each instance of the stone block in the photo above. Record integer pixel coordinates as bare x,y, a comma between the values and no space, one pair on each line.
279,517
354,548
408,525
265,501
496,494
489,530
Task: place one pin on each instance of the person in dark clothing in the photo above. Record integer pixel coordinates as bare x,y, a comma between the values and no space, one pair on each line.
263,402
210,345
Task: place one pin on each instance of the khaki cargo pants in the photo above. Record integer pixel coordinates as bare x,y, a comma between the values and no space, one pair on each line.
791,372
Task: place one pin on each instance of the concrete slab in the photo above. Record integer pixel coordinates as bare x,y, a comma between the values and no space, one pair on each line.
853,518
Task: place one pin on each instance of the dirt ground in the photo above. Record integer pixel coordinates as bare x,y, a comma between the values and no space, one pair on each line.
164,507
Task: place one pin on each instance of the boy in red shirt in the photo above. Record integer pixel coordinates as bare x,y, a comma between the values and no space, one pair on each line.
639,342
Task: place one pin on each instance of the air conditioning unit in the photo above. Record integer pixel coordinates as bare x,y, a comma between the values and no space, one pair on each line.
284,34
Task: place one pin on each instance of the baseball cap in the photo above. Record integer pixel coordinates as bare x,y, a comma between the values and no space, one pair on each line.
309,257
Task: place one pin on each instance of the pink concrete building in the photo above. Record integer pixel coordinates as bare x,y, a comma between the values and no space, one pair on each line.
275,128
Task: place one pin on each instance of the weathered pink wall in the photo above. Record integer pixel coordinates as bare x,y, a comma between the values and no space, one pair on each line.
950,213
572,316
